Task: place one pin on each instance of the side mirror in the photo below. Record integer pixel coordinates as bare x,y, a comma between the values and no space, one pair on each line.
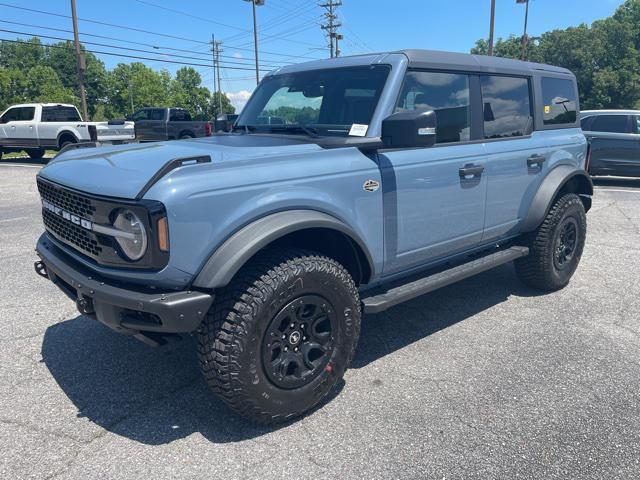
411,129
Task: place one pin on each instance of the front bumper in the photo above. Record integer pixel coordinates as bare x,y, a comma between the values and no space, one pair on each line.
124,308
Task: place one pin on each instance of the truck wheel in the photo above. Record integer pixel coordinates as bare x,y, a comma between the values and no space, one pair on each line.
185,137
35,153
280,336
556,246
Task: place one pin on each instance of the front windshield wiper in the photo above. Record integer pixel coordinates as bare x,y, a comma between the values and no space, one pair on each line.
310,131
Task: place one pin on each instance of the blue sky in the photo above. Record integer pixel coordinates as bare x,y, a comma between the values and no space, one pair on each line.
289,29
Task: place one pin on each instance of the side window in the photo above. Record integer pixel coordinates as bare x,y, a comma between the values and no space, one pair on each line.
155,114
447,94
177,115
19,114
637,123
585,123
559,101
10,115
139,115
60,114
611,123
507,106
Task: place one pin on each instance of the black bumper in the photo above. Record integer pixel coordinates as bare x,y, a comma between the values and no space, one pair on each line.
124,308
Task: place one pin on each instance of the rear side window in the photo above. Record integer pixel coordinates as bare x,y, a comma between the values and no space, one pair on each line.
18,114
447,94
610,123
60,114
179,116
155,114
636,123
507,106
560,104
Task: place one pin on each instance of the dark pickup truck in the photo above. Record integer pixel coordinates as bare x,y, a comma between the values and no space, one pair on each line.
167,124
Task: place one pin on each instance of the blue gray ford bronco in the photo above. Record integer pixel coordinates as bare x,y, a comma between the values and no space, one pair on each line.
385,177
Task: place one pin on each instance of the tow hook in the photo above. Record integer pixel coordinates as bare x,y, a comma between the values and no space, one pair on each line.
41,269
85,306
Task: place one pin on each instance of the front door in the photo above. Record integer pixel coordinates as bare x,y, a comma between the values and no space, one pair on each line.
18,127
434,198
614,144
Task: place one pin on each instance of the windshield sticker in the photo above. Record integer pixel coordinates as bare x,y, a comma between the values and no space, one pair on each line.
358,130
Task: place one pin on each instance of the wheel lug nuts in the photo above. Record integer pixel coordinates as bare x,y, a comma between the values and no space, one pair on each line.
293,325
295,349
284,336
304,338
286,349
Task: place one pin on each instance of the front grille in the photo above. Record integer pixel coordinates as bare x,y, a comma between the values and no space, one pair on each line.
67,200
71,233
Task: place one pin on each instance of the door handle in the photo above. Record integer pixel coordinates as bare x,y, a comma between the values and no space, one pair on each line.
535,161
470,171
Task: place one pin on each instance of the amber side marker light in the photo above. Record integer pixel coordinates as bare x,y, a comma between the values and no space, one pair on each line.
163,234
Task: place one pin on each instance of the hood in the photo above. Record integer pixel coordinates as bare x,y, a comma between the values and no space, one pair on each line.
124,170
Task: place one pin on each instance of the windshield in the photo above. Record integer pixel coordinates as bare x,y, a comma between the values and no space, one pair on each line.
320,102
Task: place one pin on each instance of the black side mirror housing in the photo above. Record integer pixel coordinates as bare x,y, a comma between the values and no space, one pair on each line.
410,129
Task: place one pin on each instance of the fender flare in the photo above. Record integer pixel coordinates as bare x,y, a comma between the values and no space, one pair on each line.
234,252
555,180
66,132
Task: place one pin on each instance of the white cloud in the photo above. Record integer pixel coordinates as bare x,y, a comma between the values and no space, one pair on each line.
238,55
239,99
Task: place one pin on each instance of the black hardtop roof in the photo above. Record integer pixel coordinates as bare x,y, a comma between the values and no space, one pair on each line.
476,63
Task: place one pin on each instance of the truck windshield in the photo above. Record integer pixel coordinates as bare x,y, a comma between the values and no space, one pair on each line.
320,102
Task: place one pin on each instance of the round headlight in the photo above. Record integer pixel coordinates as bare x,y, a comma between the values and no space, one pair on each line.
133,240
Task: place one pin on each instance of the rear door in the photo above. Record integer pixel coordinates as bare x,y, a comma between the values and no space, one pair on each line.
515,165
55,119
614,144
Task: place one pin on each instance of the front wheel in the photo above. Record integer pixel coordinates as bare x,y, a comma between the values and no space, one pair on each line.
280,335
36,153
556,246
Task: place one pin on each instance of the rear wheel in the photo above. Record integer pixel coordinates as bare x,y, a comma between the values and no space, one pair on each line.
185,137
65,141
556,246
280,335
35,153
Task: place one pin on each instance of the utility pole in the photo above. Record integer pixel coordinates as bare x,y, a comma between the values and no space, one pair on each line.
254,4
82,66
525,39
491,23
213,59
217,50
331,26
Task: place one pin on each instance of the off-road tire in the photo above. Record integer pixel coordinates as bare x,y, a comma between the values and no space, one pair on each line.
36,153
539,269
231,338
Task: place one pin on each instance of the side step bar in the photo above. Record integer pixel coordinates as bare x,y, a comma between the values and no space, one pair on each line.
408,291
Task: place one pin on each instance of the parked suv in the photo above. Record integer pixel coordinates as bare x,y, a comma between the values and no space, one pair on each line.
391,175
614,138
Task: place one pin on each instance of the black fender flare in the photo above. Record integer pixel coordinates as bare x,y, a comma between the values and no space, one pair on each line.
555,180
234,252
63,133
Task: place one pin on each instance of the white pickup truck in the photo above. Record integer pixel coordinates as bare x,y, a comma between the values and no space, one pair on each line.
36,127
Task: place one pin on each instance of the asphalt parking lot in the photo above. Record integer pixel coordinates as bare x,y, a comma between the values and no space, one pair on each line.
483,379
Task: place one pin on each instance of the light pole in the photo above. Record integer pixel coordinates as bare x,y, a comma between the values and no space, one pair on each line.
525,39
491,22
254,4
81,62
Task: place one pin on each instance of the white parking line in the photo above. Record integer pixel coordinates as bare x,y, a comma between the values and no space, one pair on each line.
604,189
20,165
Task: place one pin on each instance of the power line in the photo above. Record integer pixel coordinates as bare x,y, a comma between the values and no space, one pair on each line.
131,56
126,48
104,24
143,31
156,47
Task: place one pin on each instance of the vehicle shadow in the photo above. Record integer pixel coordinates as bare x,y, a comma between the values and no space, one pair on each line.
623,182
156,396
